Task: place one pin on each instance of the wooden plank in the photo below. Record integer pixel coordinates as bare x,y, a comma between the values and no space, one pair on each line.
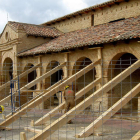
34,130
20,76
56,84
46,95
23,136
29,85
84,104
136,136
109,113
34,90
53,112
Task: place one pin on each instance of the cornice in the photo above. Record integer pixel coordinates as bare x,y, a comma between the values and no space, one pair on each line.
11,42
9,45
6,48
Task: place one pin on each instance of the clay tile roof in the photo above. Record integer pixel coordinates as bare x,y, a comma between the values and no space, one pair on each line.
95,35
35,30
105,4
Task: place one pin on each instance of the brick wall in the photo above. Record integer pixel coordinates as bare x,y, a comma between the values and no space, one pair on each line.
28,42
101,16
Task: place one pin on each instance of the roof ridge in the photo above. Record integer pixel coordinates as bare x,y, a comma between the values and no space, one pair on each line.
83,10
39,25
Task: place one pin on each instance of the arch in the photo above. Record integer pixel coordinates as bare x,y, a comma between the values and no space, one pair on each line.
32,75
84,80
6,55
8,69
49,81
7,72
119,63
26,96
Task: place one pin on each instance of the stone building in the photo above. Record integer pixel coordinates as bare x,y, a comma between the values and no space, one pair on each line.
109,31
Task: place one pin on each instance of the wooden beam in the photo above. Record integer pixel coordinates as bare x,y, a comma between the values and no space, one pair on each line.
84,104
42,90
23,136
34,130
51,87
32,83
95,48
53,112
46,95
136,136
20,76
109,113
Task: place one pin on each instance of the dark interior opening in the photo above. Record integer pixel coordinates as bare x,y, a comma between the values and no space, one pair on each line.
55,78
128,83
32,76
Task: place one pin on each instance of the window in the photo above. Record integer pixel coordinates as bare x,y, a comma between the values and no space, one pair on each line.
117,20
6,36
92,20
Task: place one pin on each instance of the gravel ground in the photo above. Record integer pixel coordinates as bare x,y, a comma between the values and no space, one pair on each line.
113,129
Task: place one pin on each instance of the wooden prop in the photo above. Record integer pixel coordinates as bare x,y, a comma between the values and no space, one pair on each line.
84,104
47,95
32,100
20,76
136,136
109,113
32,130
32,83
23,136
53,112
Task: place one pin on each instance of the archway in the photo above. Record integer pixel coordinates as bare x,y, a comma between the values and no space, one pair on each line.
84,80
118,64
7,75
8,69
26,96
51,80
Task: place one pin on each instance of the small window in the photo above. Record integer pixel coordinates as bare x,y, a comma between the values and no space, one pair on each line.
6,36
117,20
92,20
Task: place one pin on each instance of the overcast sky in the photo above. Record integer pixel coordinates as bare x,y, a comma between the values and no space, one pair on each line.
39,11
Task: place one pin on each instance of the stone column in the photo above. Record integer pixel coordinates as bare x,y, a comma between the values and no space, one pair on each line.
39,87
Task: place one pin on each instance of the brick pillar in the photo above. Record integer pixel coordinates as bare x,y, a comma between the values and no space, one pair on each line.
101,104
39,87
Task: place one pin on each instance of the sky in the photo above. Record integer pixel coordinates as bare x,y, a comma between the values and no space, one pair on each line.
39,11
